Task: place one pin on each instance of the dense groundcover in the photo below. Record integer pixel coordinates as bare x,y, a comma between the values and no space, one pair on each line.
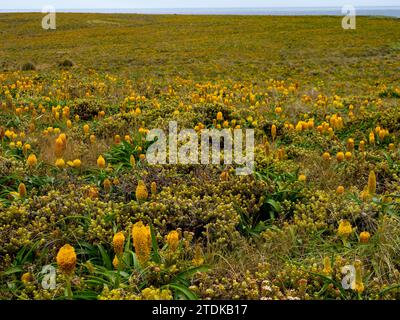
83,214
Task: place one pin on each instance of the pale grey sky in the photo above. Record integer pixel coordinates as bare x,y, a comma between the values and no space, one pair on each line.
94,4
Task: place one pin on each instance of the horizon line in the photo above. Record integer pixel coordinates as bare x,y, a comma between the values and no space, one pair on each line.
211,7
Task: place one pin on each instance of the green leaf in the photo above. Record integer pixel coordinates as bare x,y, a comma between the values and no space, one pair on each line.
274,204
397,286
12,270
156,255
182,289
136,264
106,259
187,273
85,295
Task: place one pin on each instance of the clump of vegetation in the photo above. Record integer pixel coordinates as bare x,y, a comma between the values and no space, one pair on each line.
28,66
65,64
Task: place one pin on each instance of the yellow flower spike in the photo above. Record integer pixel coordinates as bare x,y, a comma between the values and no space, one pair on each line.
141,241
350,144
32,127
173,240
340,156
101,163
59,147
66,259
107,185
327,266
361,146
359,286
60,163
348,155
22,190
27,277
118,243
132,160
32,160
326,156
92,138
224,176
77,163
63,137
115,262
220,117
273,132
25,148
372,138
382,134
8,134
345,229
365,195
141,191
69,124
267,148
372,182
364,237
302,178
281,154
340,190
198,259
86,129
153,187
93,193
117,139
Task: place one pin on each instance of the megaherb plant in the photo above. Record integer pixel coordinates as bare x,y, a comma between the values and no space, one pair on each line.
135,267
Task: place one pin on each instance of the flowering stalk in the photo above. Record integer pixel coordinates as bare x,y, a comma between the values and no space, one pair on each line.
69,290
118,244
66,260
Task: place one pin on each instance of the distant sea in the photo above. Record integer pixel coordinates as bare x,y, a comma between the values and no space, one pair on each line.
291,11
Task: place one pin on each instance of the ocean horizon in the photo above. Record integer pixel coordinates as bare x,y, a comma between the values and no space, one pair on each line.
389,11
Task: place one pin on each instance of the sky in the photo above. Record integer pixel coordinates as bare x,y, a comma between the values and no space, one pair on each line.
88,4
